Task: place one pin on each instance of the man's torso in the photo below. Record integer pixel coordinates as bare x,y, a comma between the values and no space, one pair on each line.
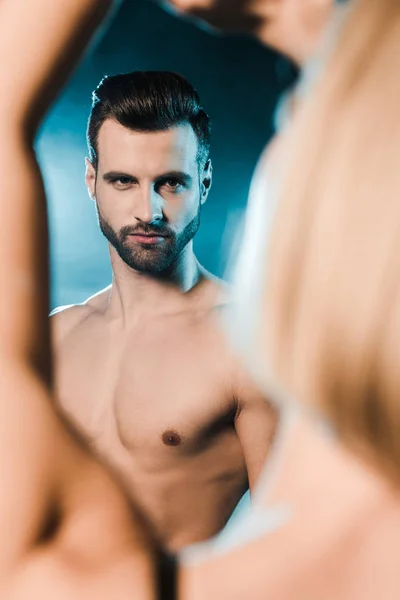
156,400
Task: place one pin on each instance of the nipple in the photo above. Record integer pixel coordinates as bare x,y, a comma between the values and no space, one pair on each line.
171,438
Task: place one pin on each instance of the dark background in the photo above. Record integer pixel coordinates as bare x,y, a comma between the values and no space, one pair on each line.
239,83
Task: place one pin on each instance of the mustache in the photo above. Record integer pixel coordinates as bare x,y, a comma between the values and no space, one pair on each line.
145,229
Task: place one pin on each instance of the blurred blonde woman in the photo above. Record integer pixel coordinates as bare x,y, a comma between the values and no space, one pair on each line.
330,305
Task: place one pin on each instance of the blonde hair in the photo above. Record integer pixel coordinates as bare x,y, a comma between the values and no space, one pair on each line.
331,302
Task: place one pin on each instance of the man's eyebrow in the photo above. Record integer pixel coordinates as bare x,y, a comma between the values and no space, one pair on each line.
111,175
180,175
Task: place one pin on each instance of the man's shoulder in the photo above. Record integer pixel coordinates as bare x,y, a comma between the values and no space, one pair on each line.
70,313
64,319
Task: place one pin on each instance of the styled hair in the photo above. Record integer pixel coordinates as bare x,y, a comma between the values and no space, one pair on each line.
329,327
148,101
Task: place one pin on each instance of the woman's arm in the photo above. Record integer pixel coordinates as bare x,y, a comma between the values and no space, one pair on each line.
40,42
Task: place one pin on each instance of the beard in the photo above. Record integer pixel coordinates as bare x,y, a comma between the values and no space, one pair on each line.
152,259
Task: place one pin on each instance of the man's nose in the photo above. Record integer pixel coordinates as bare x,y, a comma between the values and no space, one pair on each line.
148,205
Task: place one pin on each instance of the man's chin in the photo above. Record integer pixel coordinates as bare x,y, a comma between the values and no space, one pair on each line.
151,266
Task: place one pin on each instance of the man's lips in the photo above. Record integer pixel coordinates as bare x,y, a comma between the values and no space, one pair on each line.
147,238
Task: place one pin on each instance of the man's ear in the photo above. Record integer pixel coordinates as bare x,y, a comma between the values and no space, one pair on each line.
206,180
90,179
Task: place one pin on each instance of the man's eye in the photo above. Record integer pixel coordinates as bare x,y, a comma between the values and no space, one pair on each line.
121,181
173,184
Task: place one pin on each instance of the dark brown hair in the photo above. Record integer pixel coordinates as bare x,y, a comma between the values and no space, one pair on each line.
148,101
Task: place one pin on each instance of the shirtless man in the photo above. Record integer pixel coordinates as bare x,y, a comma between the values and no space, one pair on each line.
143,369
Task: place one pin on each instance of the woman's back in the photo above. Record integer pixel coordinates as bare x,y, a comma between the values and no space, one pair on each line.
327,528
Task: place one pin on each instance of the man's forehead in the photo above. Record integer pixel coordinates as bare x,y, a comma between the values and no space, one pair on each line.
177,145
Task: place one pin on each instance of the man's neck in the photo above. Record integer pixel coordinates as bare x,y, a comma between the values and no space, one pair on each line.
134,294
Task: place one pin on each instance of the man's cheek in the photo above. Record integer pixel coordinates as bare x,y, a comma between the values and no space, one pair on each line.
108,197
171,213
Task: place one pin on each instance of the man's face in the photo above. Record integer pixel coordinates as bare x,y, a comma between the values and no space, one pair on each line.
149,189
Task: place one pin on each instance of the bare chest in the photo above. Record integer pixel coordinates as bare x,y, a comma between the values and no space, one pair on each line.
156,387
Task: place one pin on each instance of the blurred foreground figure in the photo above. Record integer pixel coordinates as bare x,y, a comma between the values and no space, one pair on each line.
143,368
66,530
293,27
